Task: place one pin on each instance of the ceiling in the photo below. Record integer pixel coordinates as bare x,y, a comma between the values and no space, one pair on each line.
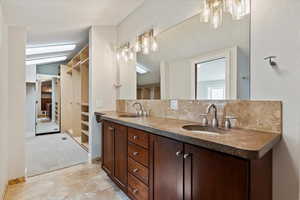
65,21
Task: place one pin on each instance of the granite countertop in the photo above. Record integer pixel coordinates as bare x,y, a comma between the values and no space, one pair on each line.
247,144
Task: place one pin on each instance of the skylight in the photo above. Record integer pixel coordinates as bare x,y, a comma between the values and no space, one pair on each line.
45,60
49,49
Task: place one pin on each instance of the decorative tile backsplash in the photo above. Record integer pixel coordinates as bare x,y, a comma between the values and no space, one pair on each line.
253,115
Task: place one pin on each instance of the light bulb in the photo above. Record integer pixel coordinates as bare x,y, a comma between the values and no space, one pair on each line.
123,53
137,46
118,56
146,50
205,14
131,55
126,58
154,45
146,41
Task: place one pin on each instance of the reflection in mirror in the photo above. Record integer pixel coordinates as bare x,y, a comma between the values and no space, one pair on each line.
148,80
196,61
210,79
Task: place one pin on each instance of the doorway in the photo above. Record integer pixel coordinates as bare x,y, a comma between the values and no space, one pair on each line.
48,104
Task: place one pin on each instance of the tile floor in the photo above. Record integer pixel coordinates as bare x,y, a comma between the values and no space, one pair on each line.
81,182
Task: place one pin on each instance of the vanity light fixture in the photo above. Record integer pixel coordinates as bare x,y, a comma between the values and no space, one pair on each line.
212,10
125,52
146,42
49,49
46,60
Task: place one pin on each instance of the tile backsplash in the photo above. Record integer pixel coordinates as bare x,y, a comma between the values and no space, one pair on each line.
253,115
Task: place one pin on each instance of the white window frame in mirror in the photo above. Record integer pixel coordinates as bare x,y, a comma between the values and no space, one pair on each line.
231,70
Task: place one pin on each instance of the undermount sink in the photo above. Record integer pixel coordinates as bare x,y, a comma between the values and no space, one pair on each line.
204,129
129,115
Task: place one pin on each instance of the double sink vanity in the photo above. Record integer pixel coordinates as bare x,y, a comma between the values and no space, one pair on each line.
165,157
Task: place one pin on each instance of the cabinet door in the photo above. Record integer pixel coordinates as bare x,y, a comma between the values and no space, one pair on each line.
108,147
120,165
214,176
167,167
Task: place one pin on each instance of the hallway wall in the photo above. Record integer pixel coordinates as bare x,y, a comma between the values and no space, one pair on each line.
3,106
16,101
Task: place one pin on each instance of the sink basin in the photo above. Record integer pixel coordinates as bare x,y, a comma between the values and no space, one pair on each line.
204,129
129,115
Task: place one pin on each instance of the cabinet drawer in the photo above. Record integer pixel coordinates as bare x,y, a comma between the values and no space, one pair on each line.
137,189
138,137
138,170
138,154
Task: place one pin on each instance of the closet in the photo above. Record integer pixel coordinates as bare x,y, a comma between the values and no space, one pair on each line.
75,97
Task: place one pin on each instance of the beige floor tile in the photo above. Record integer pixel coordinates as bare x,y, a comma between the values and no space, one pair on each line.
82,182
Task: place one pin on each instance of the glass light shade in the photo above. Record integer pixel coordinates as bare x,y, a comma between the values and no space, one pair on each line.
131,55
146,50
212,10
154,45
137,46
118,56
146,41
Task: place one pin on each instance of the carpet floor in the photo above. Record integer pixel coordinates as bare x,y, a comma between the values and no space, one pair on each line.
51,152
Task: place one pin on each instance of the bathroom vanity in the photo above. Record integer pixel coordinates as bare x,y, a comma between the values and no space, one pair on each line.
155,158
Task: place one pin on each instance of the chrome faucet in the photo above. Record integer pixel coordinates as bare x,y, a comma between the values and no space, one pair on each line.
139,111
214,122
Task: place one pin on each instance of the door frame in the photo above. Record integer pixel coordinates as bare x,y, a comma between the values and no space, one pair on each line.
231,70
36,110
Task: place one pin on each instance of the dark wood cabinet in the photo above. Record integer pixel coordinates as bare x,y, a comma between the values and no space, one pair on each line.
108,148
167,167
114,157
120,151
146,166
214,176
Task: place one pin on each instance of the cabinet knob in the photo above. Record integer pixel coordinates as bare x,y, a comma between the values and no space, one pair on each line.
135,153
187,155
178,153
111,128
135,170
135,137
135,191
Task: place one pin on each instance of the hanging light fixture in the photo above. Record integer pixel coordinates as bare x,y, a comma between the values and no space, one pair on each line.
212,10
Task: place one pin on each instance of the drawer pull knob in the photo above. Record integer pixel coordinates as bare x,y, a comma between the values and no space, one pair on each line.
135,153
135,170
135,137
187,155
135,191
178,153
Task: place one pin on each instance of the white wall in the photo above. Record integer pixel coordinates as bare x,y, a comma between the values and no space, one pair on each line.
103,76
3,107
16,101
275,31
30,109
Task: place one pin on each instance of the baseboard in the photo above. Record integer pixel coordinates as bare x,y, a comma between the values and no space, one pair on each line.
17,181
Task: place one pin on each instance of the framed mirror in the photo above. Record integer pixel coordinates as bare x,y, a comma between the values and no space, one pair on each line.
196,61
